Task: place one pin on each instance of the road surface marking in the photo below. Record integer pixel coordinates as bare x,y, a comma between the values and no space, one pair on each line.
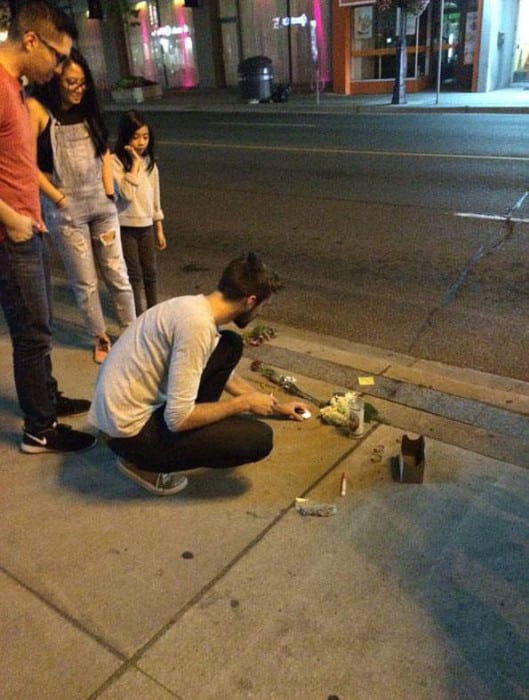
490,217
274,124
339,151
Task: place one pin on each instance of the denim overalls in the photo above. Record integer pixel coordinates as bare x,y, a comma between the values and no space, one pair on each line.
87,228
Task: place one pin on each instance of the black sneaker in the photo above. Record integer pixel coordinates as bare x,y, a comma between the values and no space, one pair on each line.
70,407
58,438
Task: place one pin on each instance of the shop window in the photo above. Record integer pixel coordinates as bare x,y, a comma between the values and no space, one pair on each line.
521,58
374,37
163,47
264,33
229,25
90,42
294,35
309,42
459,37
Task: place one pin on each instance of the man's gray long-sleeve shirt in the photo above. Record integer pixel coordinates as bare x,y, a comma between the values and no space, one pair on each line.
158,360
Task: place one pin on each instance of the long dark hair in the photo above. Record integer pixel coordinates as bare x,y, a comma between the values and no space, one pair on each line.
129,124
50,96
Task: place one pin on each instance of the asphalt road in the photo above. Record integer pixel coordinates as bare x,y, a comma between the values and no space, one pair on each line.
403,231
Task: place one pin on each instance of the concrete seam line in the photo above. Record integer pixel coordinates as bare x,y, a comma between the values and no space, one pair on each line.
256,540
64,615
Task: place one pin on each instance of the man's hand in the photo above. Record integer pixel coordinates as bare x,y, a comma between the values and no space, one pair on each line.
21,229
264,404
261,404
292,409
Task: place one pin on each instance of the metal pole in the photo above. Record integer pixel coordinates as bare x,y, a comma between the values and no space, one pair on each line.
289,39
439,60
399,86
239,30
160,45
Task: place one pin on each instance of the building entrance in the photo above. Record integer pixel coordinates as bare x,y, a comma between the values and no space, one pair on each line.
521,53
459,35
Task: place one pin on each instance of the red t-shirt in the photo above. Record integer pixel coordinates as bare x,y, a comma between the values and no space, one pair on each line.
19,185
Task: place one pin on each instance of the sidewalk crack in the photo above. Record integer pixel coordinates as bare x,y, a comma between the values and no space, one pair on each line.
509,224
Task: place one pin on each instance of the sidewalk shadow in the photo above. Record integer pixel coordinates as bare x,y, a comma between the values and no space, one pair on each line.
9,407
11,421
70,335
94,476
470,586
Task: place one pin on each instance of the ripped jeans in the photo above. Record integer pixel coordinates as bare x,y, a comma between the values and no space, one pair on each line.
86,230
86,233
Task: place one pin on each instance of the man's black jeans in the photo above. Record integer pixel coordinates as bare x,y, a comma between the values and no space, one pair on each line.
25,297
228,443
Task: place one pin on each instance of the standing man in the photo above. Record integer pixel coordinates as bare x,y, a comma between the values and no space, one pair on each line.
157,396
39,41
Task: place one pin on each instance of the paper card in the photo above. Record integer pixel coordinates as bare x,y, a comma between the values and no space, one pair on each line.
366,381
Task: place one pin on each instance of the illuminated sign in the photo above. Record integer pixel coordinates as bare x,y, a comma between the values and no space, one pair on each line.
301,20
168,30
352,3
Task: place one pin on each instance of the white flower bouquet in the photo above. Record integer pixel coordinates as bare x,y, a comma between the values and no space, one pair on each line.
337,410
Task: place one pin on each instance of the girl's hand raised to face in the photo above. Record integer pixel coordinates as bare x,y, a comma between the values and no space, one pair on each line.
133,153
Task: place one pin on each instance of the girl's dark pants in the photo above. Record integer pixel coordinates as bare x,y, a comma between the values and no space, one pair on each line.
140,257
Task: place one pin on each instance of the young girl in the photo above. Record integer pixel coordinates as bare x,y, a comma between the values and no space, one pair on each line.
76,179
140,213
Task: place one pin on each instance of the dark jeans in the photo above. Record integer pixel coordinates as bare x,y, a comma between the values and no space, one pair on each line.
228,443
140,256
25,297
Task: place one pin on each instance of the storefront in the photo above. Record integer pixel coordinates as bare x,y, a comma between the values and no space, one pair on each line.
475,43
161,41
349,45
155,40
294,34
521,57
183,47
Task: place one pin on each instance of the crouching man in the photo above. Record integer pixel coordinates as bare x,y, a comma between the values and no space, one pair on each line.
158,394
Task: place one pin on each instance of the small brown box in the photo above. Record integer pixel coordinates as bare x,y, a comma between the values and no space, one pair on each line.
411,460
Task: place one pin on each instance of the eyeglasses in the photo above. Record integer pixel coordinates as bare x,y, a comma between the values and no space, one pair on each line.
74,85
60,58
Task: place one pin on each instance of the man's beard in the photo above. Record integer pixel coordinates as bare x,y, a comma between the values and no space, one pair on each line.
242,320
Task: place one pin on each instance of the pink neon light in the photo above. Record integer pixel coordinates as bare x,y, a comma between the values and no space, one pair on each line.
145,34
322,44
187,79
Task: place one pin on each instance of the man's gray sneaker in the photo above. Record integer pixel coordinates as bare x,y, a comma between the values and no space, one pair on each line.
158,483
58,438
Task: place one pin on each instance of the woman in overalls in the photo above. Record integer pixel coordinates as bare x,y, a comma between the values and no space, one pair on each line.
79,209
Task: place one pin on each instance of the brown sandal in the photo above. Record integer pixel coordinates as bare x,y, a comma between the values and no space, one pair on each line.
101,350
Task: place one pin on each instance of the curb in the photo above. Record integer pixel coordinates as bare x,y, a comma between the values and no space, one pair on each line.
316,109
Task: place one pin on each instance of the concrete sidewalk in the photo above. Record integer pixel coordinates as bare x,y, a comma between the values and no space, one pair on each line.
225,591
508,100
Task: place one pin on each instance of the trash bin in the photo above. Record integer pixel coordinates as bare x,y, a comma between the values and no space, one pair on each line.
256,75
